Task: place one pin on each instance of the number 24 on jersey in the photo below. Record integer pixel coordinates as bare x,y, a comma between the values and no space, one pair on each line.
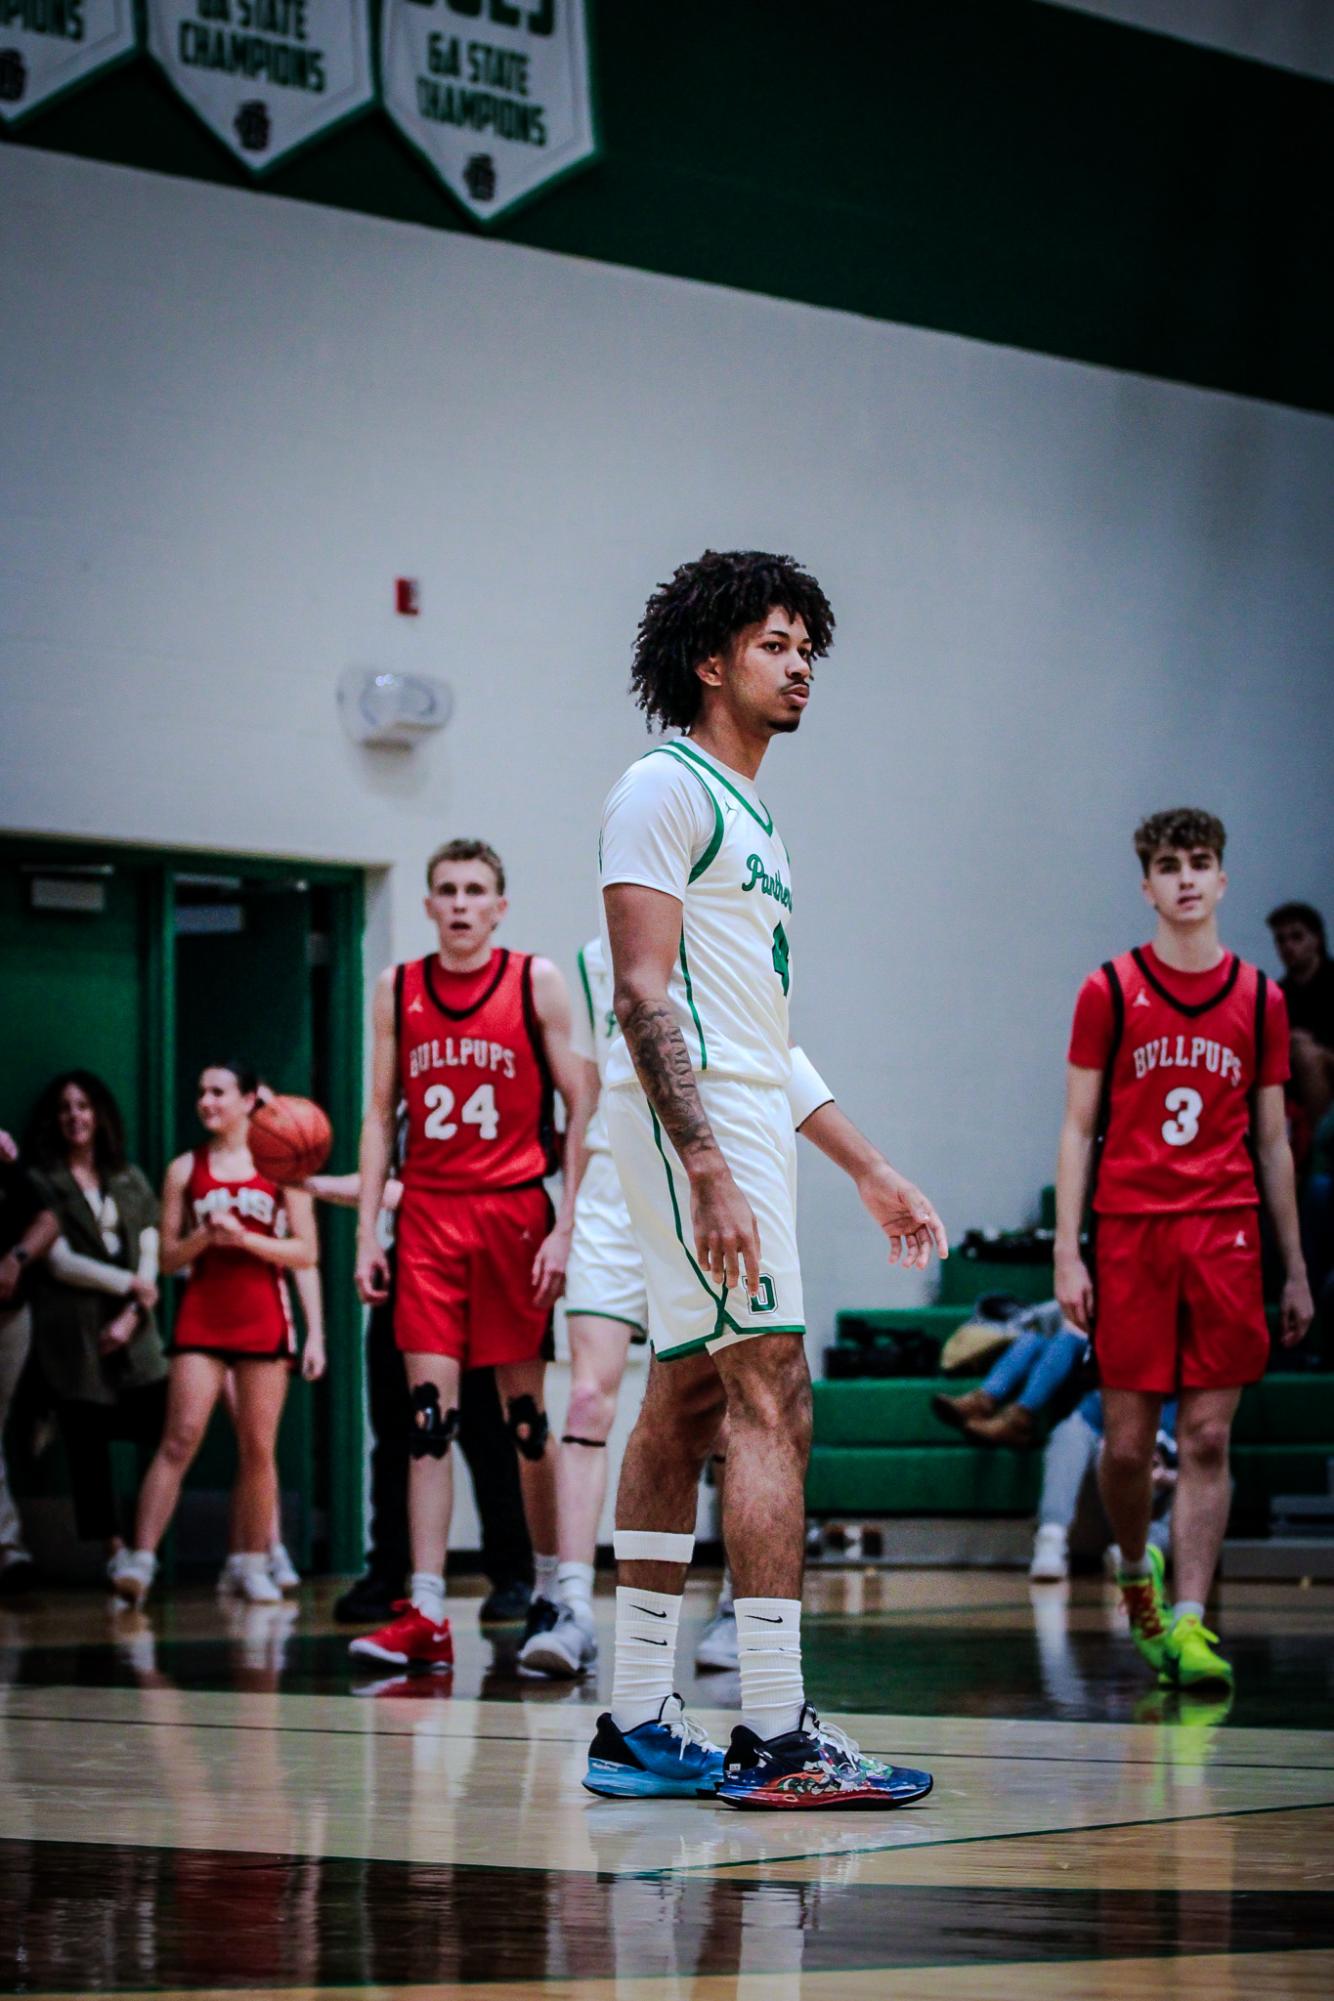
480,1111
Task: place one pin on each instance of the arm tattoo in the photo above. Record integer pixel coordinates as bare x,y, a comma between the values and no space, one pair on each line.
659,1053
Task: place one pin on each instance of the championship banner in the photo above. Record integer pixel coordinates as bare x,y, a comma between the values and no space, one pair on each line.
49,46
496,95
266,76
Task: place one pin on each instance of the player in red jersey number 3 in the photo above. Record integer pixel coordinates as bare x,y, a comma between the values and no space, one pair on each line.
473,1041
1178,1058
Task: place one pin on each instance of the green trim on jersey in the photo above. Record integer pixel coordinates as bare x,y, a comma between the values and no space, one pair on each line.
588,997
719,825
768,820
707,1341
719,1301
690,1002
724,1318
600,1313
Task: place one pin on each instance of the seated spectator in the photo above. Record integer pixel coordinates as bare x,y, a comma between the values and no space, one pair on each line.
1308,988
27,1231
1070,1459
1038,1363
94,1332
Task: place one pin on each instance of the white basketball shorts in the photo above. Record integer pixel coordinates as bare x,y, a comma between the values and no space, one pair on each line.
605,1274
688,1312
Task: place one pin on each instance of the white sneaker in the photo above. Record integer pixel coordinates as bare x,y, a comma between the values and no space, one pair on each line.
131,1572
1051,1557
567,1649
229,1579
118,1565
282,1569
254,1584
717,1643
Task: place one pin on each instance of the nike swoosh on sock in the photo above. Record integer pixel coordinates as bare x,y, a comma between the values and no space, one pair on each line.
649,1613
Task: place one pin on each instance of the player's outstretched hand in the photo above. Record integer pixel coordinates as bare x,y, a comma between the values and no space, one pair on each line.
372,1277
553,1255
727,1236
906,1217
1074,1292
1296,1310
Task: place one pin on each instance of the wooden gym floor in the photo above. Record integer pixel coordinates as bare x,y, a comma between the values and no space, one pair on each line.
206,1801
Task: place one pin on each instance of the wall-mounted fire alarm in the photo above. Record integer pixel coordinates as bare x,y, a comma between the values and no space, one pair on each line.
407,597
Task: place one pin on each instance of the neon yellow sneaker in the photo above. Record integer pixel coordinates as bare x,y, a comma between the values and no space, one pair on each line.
1190,1654
1147,1610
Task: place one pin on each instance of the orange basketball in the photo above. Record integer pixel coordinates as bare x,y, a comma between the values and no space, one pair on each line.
290,1138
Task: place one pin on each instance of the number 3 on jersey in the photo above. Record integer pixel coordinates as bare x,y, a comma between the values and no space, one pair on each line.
480,1111
1186,1106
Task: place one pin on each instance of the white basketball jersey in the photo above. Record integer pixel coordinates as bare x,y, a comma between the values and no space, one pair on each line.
682,822
595,1029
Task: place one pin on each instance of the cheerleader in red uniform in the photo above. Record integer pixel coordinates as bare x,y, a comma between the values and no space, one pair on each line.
237,1231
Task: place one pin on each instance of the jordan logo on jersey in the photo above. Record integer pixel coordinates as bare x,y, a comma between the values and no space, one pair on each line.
1142,999
1239,1241
1188,1052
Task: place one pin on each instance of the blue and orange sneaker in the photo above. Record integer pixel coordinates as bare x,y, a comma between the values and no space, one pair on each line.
669,1757
815,1765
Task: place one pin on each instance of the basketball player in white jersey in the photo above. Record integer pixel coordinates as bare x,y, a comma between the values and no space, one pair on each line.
607,1309
703,1098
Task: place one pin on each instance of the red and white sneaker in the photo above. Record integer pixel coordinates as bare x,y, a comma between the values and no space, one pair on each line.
410,1640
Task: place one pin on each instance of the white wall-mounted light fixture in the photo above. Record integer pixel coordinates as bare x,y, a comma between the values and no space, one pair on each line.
380,707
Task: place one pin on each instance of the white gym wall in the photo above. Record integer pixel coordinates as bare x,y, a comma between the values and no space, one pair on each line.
1065,596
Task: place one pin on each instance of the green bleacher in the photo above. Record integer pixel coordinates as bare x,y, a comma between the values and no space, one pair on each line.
879,1450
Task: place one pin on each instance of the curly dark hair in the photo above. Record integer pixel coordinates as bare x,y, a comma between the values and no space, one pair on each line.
701,611
1179,827
44,1143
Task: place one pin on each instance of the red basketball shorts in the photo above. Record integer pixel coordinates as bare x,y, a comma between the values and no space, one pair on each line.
464,1283
1177,1301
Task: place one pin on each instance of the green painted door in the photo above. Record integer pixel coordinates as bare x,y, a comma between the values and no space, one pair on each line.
175,961
71,987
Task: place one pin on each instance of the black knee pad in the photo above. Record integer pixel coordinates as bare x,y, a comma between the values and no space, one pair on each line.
594,1444
528,1426
432,1428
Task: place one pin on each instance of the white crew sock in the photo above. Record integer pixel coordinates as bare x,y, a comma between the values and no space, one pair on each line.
768,1637
645,1670
426,1590
725,1600
1133,1567
574,1583
1187,1608
544,1576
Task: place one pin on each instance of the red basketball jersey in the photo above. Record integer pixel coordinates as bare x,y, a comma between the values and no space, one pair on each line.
1181,1053
234,1302
473,1075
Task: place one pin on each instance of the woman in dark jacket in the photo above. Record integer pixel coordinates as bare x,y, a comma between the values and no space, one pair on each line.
94,1333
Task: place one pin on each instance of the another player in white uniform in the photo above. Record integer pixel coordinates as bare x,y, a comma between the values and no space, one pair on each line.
607,1309
702,1101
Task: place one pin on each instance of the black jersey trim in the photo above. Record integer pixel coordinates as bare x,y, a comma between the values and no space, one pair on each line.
1116,995
1261,1014
400,973
546,1123
1191,1009
462,1013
